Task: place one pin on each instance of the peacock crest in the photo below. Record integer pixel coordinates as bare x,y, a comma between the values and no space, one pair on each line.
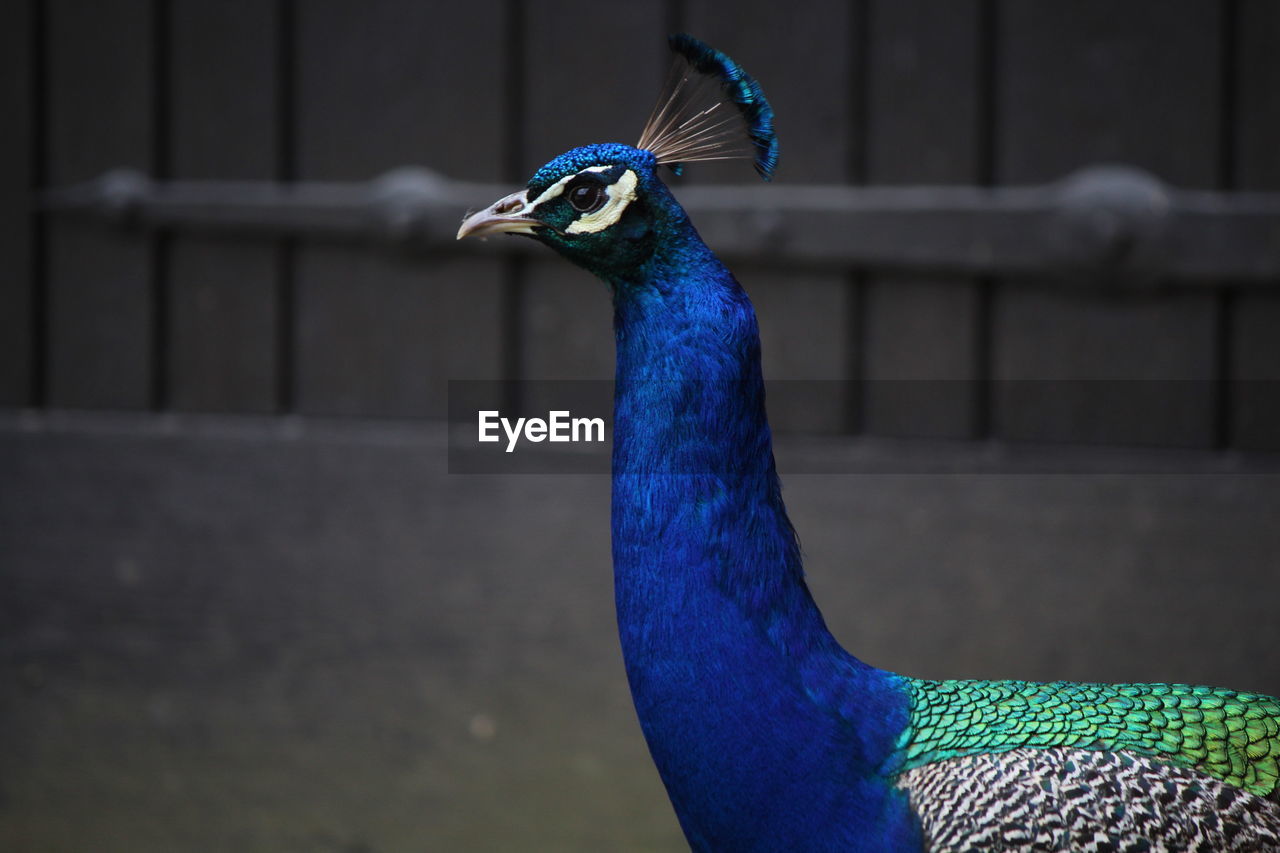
709,109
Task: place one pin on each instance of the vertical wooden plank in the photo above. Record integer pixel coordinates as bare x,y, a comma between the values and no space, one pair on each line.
1092,82
16,179
99,280
806,64
596,89
222,292
568,332
1255,316
381,85
924,114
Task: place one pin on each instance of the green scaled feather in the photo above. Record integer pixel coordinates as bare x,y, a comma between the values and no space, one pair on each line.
1229,735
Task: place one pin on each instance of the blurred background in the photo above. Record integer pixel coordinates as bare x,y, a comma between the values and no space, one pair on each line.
245,606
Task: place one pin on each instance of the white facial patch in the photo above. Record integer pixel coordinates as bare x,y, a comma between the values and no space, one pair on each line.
549,193
557,189
620,193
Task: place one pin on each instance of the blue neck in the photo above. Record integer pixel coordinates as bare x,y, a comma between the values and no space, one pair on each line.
766,733
695,490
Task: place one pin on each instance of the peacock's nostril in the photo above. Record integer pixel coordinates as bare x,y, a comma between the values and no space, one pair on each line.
510,205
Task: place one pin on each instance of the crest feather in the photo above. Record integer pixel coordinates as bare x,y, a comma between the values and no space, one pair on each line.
709,109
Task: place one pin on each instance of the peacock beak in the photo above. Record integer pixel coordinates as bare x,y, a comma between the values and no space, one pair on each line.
508,215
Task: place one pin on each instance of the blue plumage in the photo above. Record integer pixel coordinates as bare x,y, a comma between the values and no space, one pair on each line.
743,695
740,689
767,734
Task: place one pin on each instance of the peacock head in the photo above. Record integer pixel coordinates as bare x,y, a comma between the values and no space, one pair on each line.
604,206
600,206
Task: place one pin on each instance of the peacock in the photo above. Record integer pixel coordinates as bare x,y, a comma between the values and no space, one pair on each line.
767,734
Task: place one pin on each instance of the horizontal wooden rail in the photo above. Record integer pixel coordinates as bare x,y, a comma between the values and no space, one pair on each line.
1101,225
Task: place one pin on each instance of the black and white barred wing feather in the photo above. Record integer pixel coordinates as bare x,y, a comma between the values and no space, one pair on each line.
1084,800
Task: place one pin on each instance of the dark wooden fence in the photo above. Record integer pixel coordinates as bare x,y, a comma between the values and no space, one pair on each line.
970,92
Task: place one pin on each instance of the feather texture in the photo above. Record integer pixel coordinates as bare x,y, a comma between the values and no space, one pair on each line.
1082,800
1233,737
710,109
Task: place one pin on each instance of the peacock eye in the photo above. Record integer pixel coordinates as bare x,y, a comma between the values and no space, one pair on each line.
586,196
